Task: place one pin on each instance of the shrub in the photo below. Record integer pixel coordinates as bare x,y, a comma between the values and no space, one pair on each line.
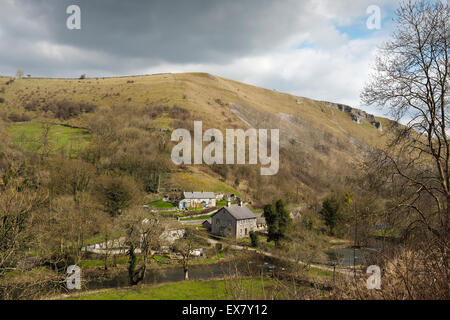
177,112
116,193
32,106
2,100
64,109
330,213
15,117
254,238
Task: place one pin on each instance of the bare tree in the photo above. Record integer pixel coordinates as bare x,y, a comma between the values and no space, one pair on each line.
16,209
46,145
185,246
412,79
61,231
143,232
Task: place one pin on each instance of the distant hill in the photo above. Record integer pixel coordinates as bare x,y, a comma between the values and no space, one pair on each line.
321,142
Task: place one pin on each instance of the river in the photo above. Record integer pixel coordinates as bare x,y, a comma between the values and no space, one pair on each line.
196,272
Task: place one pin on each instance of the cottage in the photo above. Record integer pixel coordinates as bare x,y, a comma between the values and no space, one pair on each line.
196,200
233,221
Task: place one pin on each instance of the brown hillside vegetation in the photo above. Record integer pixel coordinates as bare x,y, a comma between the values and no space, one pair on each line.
319,145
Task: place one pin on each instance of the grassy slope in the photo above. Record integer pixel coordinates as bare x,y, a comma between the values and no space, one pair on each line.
198,93
29,136
185,290
199,90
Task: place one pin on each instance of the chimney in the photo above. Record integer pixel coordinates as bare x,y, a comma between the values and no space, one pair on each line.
240,203
228,203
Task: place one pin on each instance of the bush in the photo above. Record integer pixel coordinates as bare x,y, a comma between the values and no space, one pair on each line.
15,117
2,100
254,238
64,109
177,112
32,106
116,193
330,213
416,273
221,170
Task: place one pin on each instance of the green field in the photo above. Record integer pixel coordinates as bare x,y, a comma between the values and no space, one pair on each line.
221,203
31,137
184,290
197,218
161,204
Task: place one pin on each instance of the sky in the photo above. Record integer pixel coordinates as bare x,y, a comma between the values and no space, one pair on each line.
320,49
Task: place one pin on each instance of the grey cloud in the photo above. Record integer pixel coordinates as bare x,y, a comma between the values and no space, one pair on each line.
194,31
124,37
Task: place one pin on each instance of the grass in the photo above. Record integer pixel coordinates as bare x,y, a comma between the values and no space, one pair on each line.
197,218
221,203
160,204
263,244
391,233
321,273
196,179
29,137
184,290
94,263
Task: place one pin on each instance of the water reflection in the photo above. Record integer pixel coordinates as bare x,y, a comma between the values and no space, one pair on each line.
196,272
348,256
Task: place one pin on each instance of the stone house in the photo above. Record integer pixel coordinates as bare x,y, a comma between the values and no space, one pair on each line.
233,221
196,200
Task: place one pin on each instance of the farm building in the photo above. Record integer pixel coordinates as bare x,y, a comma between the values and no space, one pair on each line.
233,221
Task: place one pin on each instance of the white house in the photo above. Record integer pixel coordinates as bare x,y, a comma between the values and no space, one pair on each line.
197,200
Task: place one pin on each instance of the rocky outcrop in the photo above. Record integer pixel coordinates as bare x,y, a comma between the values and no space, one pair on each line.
357,115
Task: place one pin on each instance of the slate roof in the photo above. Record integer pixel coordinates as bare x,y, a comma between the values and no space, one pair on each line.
239,213
199,195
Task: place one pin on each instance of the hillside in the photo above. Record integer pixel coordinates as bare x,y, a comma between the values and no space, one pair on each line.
320,142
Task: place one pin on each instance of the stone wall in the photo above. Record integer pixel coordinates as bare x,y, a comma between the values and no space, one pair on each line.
244,227
223,224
